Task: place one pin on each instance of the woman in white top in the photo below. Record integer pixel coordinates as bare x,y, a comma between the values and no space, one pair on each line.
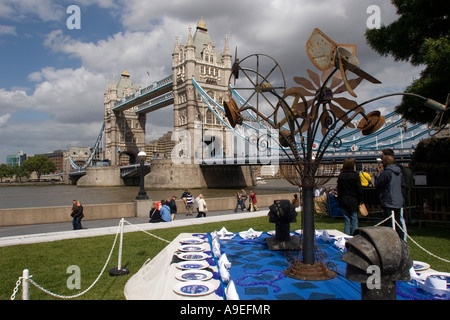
201,206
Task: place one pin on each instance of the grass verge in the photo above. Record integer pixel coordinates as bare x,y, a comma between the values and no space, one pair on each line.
48,261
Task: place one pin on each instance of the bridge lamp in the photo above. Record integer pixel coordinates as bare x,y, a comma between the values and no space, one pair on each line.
142,195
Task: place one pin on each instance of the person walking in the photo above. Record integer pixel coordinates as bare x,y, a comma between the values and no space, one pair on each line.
78,215
391,186
73,214
202,208
173,207
350,195
240,200
252,200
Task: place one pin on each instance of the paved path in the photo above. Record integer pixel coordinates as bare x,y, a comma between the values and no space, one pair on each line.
26,234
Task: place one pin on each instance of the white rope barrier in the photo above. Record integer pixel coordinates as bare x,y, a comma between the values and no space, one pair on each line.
90,287
25,279
150,234
394,222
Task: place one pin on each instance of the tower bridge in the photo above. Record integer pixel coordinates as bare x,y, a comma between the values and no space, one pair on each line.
197,88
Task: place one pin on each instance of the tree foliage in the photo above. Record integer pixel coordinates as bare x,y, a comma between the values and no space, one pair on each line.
421,36
39,164
431,153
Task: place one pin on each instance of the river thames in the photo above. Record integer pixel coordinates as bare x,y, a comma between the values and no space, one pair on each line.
28,196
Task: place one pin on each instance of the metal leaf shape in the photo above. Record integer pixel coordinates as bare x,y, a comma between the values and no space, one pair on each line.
305,83
314,77
353,84
345,103
340,114
301,91
335,79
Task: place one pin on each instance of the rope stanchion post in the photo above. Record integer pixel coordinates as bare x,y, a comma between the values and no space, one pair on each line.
25,285
119,271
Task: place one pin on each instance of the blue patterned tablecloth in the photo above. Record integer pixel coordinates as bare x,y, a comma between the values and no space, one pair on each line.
258,274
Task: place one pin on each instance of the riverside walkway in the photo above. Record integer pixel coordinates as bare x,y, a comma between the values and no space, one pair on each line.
26,234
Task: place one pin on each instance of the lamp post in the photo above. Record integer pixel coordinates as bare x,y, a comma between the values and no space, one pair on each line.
142,195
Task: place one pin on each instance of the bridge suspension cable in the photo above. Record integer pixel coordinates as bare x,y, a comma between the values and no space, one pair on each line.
373,141
92,154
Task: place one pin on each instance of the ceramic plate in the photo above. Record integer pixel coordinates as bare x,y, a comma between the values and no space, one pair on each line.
192,241
194,275
192,256
193,288
191,248
192,265
441,276
420,266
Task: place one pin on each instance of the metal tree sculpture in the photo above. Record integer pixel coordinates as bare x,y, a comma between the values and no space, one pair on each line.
299,123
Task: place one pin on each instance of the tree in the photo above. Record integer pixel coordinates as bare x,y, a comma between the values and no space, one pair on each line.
421,35
39,164
5,171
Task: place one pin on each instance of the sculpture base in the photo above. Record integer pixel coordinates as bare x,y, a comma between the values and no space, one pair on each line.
279,245
309,272
118,272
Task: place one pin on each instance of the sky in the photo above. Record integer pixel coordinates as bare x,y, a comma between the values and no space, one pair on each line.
53,77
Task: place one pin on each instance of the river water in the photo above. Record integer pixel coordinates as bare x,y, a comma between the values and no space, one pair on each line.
28,196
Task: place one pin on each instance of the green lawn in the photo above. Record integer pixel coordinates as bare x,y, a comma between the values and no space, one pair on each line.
48,261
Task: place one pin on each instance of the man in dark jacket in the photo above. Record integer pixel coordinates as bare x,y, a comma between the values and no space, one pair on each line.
350,195
390,184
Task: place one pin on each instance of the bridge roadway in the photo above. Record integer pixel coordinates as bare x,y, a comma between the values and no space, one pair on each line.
151,98
369,156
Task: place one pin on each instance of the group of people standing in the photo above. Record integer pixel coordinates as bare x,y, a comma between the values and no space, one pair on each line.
77,215
241,197
389,182
190,202
166,210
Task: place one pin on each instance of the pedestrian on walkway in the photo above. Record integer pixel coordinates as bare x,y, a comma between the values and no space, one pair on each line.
173,207
189,203
240,200
78,216
73,214
252,202
202,208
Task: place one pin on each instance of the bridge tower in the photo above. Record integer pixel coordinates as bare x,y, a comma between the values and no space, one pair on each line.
211,68
124,130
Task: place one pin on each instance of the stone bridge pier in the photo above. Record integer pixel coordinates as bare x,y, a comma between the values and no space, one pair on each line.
166,174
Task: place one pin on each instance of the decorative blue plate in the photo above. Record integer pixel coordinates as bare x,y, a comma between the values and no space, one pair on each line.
192,241
193,288
192,265
194,275
192,256
420,266
191,248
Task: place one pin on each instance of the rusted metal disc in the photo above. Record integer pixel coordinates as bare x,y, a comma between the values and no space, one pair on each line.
373,122
231,112
283,141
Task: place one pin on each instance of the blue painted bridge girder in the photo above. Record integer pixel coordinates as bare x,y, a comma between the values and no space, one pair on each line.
155,96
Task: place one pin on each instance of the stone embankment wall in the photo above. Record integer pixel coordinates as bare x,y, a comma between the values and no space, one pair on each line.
24,216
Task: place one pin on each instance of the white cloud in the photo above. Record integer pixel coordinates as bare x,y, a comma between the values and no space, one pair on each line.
73,97
4,119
